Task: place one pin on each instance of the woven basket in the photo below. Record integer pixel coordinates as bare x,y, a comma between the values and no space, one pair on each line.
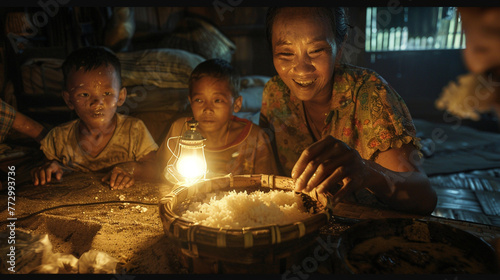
268,246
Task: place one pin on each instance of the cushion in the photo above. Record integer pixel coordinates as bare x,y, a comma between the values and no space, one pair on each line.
199,36
154,99
251,91
42,76
164,68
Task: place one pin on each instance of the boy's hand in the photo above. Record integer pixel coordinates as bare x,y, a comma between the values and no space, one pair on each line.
43,174
119,178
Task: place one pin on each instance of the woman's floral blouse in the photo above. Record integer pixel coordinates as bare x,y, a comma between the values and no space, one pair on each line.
366,113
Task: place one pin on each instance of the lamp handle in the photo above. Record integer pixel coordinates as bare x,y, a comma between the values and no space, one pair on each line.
176,146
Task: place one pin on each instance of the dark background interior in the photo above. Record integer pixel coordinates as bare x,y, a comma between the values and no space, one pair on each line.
418,76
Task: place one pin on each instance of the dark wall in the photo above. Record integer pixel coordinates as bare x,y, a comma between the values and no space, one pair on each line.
418,76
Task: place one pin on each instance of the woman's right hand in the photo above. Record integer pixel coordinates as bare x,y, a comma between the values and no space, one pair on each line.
43,174
327,164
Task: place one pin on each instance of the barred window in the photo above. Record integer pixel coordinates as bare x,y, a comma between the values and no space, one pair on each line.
413,28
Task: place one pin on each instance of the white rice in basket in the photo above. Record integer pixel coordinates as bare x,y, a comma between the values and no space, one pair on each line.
238,209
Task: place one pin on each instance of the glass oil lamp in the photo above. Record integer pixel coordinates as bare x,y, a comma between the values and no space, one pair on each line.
187,164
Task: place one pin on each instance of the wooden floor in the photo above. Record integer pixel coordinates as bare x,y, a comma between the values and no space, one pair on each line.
469,196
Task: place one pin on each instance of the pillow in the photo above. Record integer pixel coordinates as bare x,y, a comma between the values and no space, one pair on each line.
164,68
154,99
254,81
199,36
251,91
42,76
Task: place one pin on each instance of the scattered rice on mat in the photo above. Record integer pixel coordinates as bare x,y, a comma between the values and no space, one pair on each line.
238,209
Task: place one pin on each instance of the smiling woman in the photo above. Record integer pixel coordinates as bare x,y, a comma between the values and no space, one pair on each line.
334,124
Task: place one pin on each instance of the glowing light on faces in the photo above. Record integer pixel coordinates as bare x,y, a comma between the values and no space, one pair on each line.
212,103
304,53
95,95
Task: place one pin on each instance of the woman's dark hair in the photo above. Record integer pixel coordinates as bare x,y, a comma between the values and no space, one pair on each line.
219,69
90,58
336,16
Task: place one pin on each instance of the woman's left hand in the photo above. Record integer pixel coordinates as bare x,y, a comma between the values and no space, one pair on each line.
329,163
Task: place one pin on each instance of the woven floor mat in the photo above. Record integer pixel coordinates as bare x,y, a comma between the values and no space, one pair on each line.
469,196
490,202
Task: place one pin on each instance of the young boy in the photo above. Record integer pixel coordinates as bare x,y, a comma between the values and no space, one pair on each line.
233,145
100,138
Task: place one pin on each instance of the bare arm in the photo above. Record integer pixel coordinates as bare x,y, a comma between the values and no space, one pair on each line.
393,177
29,127
401,182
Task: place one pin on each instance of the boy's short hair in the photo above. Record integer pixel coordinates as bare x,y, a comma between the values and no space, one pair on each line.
90,58
217,68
